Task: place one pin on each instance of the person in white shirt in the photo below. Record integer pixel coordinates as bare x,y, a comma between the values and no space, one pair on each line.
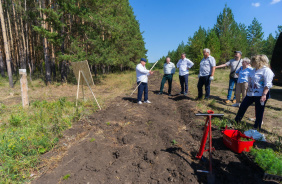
259,84
206,72
142,77
184,65
169,70
242,82
234,65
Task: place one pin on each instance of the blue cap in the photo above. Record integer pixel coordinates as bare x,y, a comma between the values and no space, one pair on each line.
143,59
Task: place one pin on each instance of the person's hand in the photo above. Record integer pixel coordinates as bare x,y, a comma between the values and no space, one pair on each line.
263,98
151,72
187,68
211,78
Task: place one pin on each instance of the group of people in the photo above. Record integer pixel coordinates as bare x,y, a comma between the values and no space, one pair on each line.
252,79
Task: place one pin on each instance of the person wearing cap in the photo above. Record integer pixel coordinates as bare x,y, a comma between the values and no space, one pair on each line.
207,67
169,70
142,77
259,84
233,77
184,65
242,83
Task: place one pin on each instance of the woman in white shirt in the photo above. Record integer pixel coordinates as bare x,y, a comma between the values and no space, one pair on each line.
259,83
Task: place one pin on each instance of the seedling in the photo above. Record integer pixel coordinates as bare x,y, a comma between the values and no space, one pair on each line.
173,142
108,123
66,176
92,140
245,139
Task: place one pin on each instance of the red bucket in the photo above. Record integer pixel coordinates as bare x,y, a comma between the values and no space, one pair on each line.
232,139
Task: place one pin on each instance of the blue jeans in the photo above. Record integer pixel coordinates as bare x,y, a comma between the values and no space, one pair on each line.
204,80
248,100
142,88
184,80
232,81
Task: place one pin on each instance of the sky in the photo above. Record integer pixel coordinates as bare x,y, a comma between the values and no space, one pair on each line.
166,23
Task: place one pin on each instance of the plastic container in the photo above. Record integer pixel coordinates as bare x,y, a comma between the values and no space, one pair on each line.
231,139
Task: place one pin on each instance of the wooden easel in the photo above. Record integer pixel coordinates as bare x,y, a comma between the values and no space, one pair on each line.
78,81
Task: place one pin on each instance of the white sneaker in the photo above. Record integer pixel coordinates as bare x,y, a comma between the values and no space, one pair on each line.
139,102
147,101
236,105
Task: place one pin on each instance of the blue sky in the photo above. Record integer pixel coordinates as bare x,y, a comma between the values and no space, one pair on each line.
168,22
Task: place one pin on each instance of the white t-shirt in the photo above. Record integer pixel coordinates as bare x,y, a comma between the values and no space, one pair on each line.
258,79
142,73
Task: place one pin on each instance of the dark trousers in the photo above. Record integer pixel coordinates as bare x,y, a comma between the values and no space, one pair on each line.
142,88
232,82
248,100
166,77
184,81
204,80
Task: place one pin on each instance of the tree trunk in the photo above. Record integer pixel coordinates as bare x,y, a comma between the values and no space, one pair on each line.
6,47
12,51
2,68
45,50
17,36
27,41
24,45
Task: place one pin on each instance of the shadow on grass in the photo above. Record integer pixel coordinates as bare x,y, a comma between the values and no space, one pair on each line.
130,99
276,94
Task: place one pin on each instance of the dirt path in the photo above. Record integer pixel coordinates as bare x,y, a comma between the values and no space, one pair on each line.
148,143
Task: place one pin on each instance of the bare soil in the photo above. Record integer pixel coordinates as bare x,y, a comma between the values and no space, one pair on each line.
148,143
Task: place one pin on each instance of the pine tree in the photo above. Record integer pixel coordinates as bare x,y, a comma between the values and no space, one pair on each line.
268,46
255,38
225,28
212,42
196,44
240,41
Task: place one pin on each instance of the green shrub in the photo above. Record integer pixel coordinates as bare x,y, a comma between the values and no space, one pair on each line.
268,160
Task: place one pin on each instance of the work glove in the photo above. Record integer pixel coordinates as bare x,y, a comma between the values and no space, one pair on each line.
211,78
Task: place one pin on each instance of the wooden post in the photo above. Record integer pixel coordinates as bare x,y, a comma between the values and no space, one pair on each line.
78,81
24,87
82,90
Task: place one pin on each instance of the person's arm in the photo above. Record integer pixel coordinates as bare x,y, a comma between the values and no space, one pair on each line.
177,64
173,69
268,77
189,64
213,69
265,91
221,66
142,69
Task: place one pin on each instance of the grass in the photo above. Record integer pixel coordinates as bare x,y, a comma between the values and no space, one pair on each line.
28,133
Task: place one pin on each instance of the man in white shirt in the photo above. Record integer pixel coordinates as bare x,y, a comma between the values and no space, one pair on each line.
184,65
142,77
169,70
207,67
234,64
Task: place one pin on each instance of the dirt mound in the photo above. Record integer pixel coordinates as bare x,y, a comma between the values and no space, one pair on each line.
148,143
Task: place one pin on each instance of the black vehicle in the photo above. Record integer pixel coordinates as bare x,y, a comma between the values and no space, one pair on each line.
276,61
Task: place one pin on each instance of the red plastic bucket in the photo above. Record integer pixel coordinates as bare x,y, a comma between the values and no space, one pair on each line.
231,139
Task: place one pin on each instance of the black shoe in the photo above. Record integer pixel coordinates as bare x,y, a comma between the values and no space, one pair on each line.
198,98
206,98
160,93
169,94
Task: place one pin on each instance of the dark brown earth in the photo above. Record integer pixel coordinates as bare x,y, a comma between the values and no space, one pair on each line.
131,143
